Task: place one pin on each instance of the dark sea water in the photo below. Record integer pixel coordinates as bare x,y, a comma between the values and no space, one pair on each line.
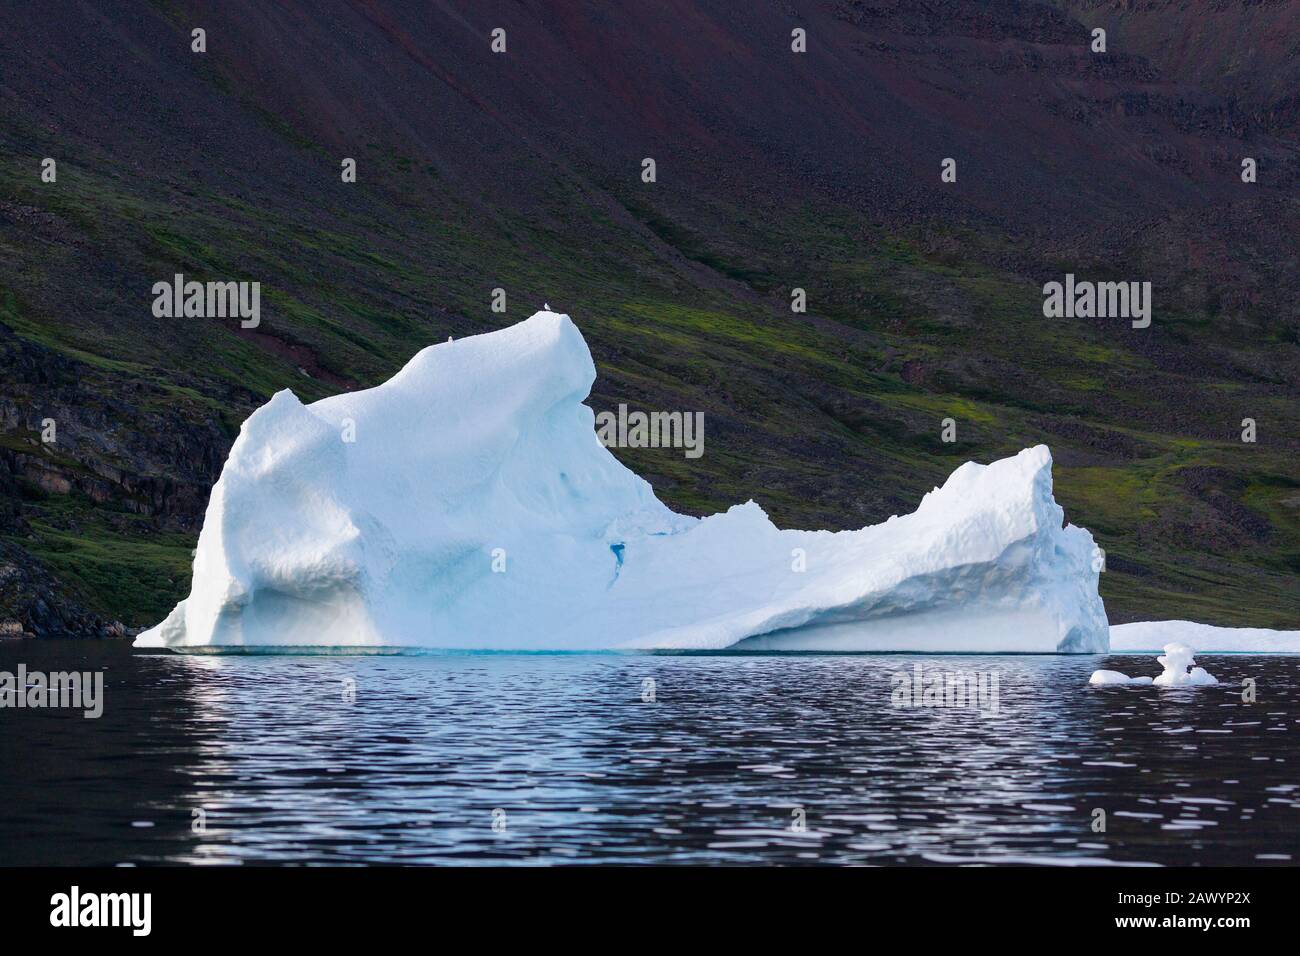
546,759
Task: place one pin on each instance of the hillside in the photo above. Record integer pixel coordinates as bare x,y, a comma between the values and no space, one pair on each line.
775,170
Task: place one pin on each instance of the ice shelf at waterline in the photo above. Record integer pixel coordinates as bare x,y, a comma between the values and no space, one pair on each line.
467,503
1152,635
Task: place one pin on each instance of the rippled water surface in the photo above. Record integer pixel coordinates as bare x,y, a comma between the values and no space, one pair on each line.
278,763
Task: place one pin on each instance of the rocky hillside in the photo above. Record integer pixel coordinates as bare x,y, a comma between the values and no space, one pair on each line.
775,170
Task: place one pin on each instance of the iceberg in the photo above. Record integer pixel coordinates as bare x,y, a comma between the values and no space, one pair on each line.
1179,671
1151,636
1177,661
467,504
1106,678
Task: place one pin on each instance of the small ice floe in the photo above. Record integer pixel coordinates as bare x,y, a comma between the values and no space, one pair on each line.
1115,677
1176,661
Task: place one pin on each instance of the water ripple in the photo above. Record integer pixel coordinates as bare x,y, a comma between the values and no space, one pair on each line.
537,759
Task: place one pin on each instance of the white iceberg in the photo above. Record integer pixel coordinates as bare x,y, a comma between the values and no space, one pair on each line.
1151,636
1179,671
467,503
1117,677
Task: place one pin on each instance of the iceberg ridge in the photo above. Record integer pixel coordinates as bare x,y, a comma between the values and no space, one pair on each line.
466,503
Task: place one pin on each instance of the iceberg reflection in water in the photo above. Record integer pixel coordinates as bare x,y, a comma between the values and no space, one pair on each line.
639,758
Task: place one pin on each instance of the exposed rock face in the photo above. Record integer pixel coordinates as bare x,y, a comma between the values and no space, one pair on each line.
32,603
120,448
117,444
1242,50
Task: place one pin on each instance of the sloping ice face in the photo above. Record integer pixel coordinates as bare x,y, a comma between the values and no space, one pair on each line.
467,504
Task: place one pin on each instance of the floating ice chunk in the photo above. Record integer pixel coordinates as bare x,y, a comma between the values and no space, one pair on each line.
1115,677
1176,660
467,503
